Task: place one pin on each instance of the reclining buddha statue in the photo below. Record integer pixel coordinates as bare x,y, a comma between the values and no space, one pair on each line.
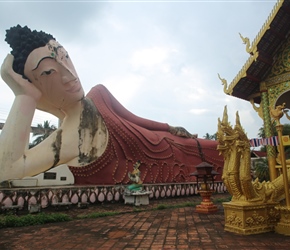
98,139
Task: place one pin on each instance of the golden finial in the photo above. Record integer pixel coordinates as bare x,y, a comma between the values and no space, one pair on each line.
250,49
227,90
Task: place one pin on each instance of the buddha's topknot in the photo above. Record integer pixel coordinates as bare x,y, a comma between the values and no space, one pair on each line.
23,41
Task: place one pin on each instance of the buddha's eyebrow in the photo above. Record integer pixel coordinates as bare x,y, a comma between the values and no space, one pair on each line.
41,61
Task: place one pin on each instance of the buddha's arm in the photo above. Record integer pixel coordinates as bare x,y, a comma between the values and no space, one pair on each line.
15,134
58,148
36,160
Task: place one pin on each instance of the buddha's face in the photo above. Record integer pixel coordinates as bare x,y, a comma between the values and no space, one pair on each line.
51,70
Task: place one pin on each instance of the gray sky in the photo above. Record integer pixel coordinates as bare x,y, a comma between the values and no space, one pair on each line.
160,59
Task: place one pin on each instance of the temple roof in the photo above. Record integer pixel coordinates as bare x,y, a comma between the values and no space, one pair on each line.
258,154
274,32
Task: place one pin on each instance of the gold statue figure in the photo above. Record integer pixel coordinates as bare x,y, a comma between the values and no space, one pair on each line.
235,147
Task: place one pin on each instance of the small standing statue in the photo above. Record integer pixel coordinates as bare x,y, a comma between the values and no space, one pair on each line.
134,193
135,177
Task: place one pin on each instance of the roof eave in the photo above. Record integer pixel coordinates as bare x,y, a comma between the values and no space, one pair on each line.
254,53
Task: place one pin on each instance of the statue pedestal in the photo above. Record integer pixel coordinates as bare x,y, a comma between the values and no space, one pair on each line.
283,226
246,219
138,198
206,206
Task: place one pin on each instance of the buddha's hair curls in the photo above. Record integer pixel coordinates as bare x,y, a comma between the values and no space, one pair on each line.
23,41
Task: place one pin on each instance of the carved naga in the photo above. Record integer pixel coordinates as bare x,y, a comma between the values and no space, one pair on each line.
234,145
252,50
227,88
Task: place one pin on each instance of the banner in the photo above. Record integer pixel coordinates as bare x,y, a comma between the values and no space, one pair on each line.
273,141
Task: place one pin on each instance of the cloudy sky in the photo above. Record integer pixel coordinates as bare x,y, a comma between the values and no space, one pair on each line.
160,59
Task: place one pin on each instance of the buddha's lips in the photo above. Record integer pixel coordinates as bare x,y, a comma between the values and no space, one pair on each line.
74,86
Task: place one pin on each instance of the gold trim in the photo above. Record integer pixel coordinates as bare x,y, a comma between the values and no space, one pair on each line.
265,27
263,86
258,109
278,79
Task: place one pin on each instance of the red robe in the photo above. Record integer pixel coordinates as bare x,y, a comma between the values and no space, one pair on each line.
165,158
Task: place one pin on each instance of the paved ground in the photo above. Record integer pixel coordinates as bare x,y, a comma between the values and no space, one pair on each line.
178,228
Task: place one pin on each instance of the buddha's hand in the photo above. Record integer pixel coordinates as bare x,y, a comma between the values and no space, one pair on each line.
18,85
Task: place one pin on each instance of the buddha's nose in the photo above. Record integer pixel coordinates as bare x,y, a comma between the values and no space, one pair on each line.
68,75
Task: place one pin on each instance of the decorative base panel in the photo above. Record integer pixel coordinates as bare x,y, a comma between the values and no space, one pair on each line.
246,219
283,226
137,199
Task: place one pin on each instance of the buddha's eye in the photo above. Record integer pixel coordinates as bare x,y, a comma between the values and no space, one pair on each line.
67,56
47,72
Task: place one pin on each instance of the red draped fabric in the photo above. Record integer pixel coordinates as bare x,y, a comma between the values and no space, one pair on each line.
165,158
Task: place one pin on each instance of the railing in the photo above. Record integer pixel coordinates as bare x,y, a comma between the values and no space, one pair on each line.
47,196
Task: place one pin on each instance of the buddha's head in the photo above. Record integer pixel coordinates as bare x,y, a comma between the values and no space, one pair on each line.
40,59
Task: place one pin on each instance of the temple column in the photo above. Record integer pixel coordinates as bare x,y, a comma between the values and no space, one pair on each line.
271,151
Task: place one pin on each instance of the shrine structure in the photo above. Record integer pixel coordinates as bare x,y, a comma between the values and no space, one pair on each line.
264,81
264,78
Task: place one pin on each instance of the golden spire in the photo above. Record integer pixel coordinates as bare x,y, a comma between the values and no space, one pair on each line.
225,115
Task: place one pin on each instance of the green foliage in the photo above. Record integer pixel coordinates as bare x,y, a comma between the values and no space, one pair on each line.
136,210
97,215
221,200
29,220
191,204
286,130
161,207
178,205
261,169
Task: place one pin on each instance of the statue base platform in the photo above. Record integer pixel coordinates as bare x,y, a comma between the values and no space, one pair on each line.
206,206
283,226
246,219
138,198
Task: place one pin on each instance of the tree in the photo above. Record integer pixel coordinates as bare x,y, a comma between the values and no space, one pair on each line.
42,132
210,137
261,169
286,130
